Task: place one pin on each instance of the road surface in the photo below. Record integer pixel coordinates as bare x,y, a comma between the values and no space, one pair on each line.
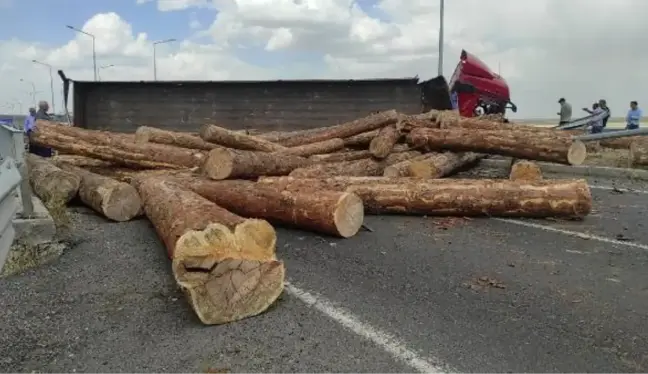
416,294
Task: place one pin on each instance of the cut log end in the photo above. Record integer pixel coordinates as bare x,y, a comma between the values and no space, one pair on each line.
142,135
349,215
219,164
223,290
577,153
523,170
122,204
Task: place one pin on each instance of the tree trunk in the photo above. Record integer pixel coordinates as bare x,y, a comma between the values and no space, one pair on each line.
333,213
457,197
523,170
129,154
326,146
363,167
371,122
228,138
453,122
431,166
82,161
146,134
80,134
115,200
382,145
353,155
51,183
226,265
517,144
362,140
129,175
229,163
621,143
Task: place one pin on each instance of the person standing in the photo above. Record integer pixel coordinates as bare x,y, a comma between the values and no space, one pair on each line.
633,118
565,111
43,107
596,124
29,120
603,105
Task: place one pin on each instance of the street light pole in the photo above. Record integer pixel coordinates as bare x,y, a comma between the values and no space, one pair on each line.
154,55
33,92
51,81
441,36
104,67
94,51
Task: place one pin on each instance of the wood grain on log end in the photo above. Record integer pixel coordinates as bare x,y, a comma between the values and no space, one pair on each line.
219,164
142,135
348,215
577,153
121,202
50,182
523,170
226,275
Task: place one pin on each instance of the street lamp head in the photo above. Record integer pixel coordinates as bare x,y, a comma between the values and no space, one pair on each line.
69,27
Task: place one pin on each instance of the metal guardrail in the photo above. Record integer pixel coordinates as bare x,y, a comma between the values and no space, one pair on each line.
10,179
12,145
611,135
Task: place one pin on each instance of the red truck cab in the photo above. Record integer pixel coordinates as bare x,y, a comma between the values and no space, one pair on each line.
475,89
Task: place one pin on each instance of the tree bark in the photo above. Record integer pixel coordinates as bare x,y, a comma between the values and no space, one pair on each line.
431,166
517,144
115,200
129,175
479,123
457,197
382,145
226,265
523,170
371,122
98,137
229,163
229,138
51,183
129,154
325,146
146,134
334,213
353,155
621,143
82,161
363,167
362,140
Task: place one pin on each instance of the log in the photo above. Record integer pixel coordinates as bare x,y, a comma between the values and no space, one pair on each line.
363,167
524,170
452,121
232,139
621,143
129,175
333,213
457,197
82,161
129,154
98,137
146,134
371,122
227,163
113,199
382,145
361,140
225,264
326,146
50,183
353,155
506,143
431,166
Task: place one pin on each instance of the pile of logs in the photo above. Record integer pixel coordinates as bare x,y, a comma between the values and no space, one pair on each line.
214,195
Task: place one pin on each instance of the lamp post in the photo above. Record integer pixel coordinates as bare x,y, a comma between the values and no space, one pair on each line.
51,81
104,67
33,91
154,55
441,37
94,52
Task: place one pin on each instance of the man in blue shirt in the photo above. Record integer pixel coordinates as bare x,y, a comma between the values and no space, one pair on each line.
30,120
43,106
634,116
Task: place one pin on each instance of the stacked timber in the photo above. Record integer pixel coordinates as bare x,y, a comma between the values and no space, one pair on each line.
213,196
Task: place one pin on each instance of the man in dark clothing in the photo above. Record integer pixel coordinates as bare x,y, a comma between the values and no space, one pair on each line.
565,111
603,105
43,106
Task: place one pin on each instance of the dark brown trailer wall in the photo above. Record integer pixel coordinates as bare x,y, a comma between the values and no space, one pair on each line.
269,105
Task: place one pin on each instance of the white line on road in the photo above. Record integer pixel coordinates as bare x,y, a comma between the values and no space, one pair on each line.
382,339
573,233
612,188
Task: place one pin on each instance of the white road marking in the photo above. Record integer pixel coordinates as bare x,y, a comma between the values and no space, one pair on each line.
612,188
573,233
387,342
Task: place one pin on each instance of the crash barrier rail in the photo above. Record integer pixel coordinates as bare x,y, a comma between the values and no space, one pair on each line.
611,134
10,179
12,145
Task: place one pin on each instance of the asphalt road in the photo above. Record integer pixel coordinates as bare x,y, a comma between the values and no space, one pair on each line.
417,293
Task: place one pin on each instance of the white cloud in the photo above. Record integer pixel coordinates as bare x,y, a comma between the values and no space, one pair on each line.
580,49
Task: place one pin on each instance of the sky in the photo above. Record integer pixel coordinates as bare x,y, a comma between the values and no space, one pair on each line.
583,50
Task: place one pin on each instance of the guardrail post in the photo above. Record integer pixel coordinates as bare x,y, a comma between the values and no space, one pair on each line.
12,145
